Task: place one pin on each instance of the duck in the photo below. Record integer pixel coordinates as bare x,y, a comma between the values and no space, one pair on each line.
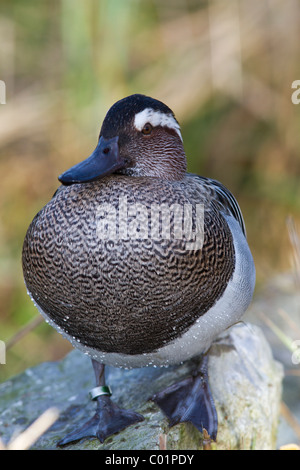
139,263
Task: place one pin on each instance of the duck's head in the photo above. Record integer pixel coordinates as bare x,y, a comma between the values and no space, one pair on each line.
140,136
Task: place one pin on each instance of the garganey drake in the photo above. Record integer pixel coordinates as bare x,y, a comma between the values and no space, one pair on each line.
138,263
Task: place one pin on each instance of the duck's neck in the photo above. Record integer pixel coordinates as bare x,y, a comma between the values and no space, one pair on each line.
171,167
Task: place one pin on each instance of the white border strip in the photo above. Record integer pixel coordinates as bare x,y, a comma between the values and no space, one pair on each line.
156,118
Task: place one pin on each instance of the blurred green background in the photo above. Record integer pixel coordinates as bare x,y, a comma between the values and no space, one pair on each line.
224,67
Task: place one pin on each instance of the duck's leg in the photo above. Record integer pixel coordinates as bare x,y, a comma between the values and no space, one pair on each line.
190,400
108,419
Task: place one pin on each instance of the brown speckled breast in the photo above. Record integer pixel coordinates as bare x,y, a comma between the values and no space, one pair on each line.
127,296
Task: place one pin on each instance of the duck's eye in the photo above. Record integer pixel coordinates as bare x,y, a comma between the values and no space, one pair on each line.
147,129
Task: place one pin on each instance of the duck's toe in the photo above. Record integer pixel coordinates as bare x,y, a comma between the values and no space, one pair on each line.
108,419
190,400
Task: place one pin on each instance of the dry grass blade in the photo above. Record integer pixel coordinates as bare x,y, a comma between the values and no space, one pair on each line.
286,340
2,446
162,442
289,321
290,419
295,241
27,438
24,331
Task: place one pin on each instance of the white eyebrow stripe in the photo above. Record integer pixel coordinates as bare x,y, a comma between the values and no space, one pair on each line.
156,118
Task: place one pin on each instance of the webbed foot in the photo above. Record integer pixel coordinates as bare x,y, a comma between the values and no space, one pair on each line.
190,400
108,419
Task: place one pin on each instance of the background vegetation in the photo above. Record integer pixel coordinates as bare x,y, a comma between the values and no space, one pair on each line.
224,67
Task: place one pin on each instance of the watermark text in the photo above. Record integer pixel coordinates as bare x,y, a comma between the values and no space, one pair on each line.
2,353
296,351
157,222
296,94
2,92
